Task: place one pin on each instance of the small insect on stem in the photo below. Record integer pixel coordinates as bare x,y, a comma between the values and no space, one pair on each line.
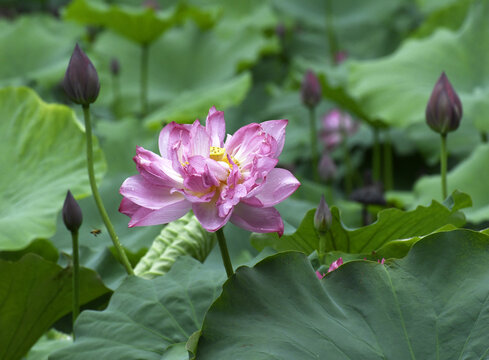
96,232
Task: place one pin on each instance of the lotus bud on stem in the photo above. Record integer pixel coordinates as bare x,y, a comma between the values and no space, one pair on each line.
311,96
82,86
322,222
443,115
72,218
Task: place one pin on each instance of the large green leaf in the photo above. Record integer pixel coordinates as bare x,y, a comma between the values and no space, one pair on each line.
189,71
146,319
363,29
184,236
392,224
137,23
34,293
43,147
410,74
42,54
430,305
470,176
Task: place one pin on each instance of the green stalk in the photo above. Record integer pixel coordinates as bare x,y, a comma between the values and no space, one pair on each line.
115,89
224,252
376,155
144,79
96,195
484,136
443,165
314,143
76,277
348,167
332,40
388,175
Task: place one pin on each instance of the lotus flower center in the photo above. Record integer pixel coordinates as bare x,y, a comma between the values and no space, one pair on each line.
219,154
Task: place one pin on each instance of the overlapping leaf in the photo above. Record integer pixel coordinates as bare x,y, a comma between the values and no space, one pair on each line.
410,74
392,224
184,236
41,57
431,304
34,293
43,149
147,319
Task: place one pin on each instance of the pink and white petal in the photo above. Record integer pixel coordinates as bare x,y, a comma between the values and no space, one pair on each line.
276,128
161,216
208,216
156,169
164,139
148,195
127,207
278,186
200,141
216,127
244,141
260,220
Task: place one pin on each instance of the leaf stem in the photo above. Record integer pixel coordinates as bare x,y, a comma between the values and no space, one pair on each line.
443,165
144,79
96,195
348,167
224,252
314,142
388,175
376,155
76,277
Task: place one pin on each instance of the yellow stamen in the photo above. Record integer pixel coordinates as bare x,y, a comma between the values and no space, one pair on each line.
219,154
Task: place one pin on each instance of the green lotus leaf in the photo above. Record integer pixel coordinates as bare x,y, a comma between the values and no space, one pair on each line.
462,178
364,29
42,55
392,224
411,73
189,71
42,247
184,236
146,319
430,305
137,23
34,294
46,156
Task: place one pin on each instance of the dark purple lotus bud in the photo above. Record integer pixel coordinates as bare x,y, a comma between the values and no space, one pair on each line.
81,82
115,66
322,217
310,90
72,214
444,109
280,31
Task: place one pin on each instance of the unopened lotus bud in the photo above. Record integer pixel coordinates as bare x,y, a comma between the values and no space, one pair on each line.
322,217
81,82
280,31
72,214
115,66
444,109
311,90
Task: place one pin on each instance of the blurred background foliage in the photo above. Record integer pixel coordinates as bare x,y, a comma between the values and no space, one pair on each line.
377,60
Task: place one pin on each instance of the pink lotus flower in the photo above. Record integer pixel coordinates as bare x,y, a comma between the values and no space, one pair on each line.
235,180
336,126
335,264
